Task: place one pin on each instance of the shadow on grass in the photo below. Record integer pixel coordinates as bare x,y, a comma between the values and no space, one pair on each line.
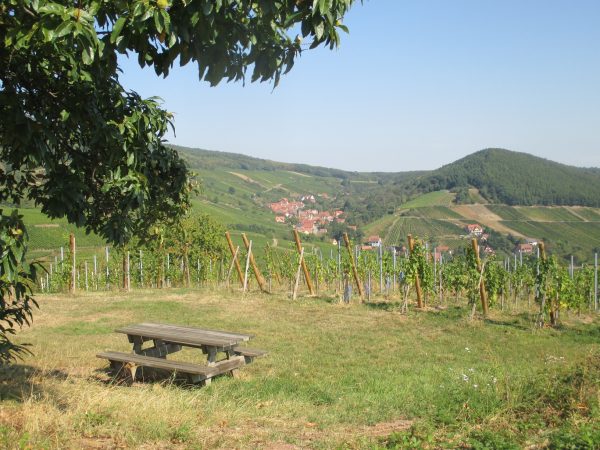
17,381
147,375
516,323
384,305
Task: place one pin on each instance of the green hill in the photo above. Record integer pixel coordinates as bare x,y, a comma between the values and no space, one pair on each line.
513,178
237,191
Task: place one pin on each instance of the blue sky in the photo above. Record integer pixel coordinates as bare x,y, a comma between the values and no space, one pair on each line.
415,85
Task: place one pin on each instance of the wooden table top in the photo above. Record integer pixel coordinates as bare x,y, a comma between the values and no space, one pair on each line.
189,336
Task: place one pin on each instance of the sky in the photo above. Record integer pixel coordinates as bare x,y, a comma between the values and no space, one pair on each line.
415,85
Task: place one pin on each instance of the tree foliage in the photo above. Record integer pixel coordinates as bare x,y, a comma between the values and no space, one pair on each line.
503,176
17,280
76,142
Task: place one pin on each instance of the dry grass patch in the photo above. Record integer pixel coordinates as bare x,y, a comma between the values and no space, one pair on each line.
335,375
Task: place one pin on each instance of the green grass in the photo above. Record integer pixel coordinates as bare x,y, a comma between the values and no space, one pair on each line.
590,214
580,232
437,198
358,376
48,235
423,228
549,214
507,212
433,212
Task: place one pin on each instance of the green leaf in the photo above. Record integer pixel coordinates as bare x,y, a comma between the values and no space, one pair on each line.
158,22
344,28
63,29
117,28
87,56
319,30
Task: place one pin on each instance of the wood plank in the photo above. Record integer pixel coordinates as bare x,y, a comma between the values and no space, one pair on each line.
184,335
176,338
176,366
228,334
247,351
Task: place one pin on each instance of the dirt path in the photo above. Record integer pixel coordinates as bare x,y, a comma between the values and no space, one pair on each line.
573,210
479,213
248,179
301,174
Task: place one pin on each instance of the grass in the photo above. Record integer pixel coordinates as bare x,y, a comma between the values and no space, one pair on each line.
439,230
583,233
433,212
549,214
437,198
590,214
507,212
357,376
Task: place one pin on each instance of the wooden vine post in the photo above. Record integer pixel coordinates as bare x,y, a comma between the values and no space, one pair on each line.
261,281
72,283
234,256
353,264
126,279
411,246
303,263
482,293
553,304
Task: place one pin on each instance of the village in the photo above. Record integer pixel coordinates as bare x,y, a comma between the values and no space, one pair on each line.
303,215
306,219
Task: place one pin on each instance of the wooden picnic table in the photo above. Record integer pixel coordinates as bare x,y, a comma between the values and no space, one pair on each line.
167,339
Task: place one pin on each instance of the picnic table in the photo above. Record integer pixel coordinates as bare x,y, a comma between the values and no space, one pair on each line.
167,339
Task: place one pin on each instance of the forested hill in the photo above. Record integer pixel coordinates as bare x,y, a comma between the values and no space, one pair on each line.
209,159
504,176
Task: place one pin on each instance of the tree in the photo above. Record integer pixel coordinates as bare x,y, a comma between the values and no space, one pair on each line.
78,144
196,237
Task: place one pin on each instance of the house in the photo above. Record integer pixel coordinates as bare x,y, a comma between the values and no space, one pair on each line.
475,229
524,248
280,219
284,207
307,226
373,241
488,250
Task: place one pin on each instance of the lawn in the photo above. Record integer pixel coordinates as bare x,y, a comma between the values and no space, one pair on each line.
351,376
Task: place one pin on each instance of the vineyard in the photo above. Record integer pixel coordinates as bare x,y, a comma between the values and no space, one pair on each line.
424,227
419,276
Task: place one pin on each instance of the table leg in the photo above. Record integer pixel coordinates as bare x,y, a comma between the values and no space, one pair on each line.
137,344
212,356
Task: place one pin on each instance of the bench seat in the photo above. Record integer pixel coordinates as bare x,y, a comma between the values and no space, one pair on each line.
194,372
248,353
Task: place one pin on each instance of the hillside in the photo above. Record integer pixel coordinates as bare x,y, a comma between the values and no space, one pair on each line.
566,230
512,178
237,191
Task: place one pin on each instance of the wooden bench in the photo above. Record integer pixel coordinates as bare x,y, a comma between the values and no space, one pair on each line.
194,372
248,353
